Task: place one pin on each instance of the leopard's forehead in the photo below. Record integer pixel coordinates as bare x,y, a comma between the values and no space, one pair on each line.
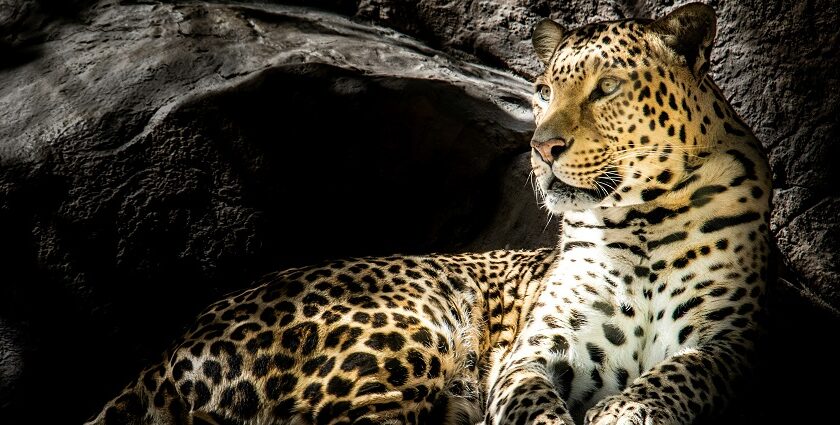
615,44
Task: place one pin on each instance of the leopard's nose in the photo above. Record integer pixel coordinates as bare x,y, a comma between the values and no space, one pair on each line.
550,149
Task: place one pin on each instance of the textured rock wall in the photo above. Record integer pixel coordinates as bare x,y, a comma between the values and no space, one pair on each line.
154,155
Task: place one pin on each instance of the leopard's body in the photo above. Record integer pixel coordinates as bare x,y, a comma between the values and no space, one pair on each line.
646,313
395,339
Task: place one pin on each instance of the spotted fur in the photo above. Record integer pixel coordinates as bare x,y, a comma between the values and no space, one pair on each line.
651,314
375,340
646,313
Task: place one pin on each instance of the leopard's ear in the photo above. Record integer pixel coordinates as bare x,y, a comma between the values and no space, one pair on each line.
546,38
690,32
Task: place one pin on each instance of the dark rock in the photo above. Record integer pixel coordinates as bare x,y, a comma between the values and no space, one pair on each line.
155,157
813,239
11,365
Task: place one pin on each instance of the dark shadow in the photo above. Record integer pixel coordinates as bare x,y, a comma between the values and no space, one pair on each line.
14,56
22,37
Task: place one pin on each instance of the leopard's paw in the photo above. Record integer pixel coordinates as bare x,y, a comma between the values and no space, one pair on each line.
619,410
532,415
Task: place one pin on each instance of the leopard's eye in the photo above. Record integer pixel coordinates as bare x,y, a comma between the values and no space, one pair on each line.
608,85
544,91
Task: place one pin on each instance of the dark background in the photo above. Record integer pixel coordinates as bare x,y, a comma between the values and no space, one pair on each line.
156,155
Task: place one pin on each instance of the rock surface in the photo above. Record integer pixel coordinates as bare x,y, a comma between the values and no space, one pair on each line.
154,155
11,365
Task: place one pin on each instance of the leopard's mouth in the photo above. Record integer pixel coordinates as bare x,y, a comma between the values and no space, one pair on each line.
560,196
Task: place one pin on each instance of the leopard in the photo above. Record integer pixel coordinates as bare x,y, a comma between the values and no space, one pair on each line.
648,311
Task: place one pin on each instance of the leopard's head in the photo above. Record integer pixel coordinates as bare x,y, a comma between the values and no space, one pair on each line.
617,108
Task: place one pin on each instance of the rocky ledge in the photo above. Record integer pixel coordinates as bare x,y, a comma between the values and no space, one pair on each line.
156,156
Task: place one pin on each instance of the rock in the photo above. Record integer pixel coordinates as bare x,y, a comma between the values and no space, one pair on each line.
13,16
156,156
11,365
814,239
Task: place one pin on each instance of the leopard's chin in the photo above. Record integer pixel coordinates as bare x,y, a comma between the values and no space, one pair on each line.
559,197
